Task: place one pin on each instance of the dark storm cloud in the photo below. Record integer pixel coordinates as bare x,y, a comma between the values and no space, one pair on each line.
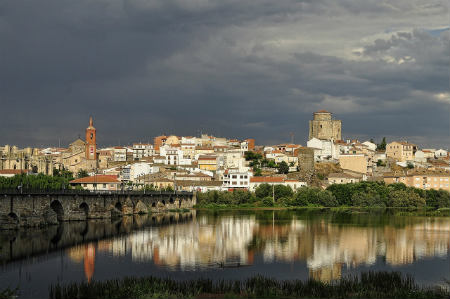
231,68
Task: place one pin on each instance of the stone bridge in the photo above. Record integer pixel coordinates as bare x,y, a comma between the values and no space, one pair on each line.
36,209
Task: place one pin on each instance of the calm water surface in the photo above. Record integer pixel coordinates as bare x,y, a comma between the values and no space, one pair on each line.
226,245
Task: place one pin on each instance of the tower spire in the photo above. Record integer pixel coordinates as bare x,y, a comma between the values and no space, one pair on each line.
91,122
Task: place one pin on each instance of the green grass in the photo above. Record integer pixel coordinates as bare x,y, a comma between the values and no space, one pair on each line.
366,285
8,293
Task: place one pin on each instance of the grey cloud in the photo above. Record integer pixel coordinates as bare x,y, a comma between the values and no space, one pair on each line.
232,68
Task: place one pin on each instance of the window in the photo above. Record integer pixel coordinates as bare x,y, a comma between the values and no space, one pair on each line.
104,185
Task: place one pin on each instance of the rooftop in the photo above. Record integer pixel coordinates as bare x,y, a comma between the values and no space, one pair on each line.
100,179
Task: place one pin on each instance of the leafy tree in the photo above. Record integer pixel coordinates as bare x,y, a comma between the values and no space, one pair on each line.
263,190
342,192
82,174
252,156
405,198
326,198
241,196
380,163
283,167
257,171
307,195
382,145
367,199
267,201
410,165
282,191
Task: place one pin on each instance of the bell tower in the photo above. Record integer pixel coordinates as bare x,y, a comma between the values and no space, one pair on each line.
91,146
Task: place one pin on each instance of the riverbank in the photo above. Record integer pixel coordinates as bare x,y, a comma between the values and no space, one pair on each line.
366,285
426,212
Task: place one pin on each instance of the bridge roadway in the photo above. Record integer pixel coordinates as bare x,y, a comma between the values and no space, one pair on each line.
28,208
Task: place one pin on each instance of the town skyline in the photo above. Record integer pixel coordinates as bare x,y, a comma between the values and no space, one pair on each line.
65,141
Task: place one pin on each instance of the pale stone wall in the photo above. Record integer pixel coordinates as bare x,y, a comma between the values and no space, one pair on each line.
357,163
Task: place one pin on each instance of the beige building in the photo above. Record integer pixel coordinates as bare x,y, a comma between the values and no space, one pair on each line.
425,181
354,162
401,151
98,183
343,178
207,163
27,159
324,127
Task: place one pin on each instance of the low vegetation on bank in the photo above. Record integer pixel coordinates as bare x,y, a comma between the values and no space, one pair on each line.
363,194
366,285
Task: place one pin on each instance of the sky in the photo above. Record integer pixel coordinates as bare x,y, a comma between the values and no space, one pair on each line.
231,68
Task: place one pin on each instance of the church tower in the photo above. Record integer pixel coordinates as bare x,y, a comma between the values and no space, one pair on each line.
324,127
91,146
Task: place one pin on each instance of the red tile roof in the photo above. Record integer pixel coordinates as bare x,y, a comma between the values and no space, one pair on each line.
266,179
14,171
100,179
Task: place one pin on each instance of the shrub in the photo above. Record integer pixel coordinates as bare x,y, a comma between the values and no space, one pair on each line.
326,198
369,199
267,201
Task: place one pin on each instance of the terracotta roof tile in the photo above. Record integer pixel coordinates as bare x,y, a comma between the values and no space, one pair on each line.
100,179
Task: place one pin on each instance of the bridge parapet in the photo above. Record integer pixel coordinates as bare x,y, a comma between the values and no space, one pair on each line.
36,208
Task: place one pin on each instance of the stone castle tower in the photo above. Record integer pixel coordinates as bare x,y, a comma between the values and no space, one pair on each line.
91,145
324,127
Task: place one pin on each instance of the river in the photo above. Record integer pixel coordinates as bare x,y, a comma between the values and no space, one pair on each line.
283,244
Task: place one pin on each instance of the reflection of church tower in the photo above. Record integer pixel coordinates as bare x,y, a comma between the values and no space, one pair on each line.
91,146
89,261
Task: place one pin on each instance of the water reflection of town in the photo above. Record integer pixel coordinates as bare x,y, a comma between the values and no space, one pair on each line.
207,242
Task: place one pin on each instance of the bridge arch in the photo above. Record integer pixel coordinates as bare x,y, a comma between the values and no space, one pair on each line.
85,208
57,207
140,208
13,218
118,206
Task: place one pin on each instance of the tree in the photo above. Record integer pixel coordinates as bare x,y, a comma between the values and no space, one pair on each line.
283,167
282,191
410,165
325,198
367,199
342,192
382,145
263,190
405,198
82,173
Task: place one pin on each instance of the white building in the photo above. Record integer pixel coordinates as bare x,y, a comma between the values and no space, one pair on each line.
119,154
370,145
236,180
141,150
324,149
141,169
441,153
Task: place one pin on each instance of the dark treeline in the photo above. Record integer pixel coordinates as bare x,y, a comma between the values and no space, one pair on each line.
37,182
367,285
363,194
